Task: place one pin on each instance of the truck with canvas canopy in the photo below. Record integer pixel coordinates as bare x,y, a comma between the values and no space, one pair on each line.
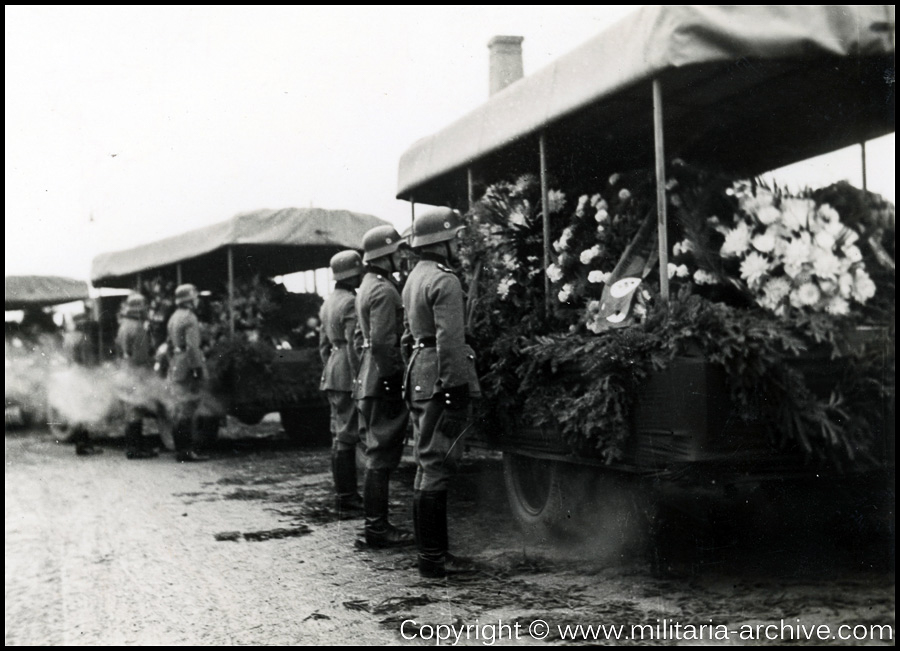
644,305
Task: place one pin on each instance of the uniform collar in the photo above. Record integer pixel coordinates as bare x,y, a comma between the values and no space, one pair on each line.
434,257
345,287
378,270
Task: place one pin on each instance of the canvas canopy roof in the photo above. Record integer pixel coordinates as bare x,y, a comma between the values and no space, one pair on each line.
267,242
24,292
745,88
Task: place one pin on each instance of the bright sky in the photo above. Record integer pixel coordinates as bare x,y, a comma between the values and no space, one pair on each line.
128,124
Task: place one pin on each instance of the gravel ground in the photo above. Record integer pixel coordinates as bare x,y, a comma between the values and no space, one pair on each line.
245,549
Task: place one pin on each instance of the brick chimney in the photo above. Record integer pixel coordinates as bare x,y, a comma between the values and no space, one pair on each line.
505,62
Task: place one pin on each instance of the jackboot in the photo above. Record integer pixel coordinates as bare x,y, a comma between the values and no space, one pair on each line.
134,442
347,501
430,517
380,533
184,442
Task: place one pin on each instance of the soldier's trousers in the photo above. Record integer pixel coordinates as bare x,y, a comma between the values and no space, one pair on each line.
439,434
344,420
186,396
384,423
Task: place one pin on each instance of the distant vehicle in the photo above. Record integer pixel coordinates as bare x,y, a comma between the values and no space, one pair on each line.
243,254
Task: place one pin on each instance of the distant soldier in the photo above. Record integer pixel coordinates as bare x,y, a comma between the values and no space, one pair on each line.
79,351
440,381
380,381
134,348
187,370
338,351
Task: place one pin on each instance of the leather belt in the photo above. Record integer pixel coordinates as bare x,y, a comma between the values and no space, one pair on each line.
426,342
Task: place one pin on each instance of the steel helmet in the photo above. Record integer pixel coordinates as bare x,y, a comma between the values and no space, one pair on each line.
346,264
436,226
135,305
185,294
380,241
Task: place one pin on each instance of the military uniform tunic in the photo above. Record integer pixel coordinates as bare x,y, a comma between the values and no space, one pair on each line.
187,365
133,345
379,310
441,359
338,350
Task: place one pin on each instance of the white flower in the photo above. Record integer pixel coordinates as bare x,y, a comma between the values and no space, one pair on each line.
852,253
614,179
671,184
768,215
798,252
598,276
764,243
824,240
601,229
556,200
554,273
837,306
593,306
685,246
845,285
562,244
849,237
826,264
805,296
737,241
795,213
828,214
565,293
863,287
679,270
509,261
582,202
601,216
675,200
776,289
624,194
517,218
504,285
703,277
596,200
589,254
753,268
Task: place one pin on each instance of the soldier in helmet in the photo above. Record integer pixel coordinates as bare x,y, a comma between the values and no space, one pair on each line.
187,370
337,347
440,381
379,384
133,346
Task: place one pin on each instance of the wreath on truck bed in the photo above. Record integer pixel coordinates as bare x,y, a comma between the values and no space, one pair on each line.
761,279
245,371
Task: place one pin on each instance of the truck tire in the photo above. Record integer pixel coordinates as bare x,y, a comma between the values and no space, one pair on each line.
540,494
310,426
555,500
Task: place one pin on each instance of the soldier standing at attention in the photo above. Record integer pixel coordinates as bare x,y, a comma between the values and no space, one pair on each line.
379,386
337,347
187,370
440,381
133,346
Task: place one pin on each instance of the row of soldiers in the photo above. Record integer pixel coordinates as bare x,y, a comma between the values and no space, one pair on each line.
392,357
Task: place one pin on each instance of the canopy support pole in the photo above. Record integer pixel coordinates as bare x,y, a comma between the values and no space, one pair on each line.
545,203
139,285
470,182
864,179
178,274
231,291
662,220
412,208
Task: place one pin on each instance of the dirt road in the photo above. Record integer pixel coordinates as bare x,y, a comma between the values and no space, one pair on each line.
245,549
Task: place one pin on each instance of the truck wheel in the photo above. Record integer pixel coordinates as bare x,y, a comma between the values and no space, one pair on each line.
540,495
559,500
310,426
